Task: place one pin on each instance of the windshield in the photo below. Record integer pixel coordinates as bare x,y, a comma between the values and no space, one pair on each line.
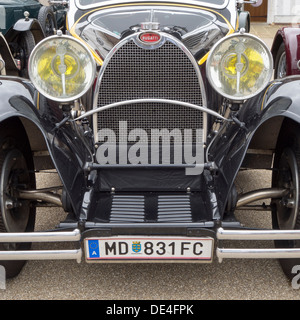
210,3
117,22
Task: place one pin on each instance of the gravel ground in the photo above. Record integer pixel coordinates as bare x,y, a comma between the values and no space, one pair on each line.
230,280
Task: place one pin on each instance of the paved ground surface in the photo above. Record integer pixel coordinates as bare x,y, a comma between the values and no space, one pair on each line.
232,280
265,31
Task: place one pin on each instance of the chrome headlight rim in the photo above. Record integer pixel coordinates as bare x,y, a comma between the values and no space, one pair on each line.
211,55
32,77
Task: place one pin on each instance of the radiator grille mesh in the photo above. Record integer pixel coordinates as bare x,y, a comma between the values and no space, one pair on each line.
162,73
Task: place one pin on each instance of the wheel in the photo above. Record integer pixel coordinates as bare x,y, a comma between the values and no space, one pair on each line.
286,173
47,20
26,43
16,215
280,63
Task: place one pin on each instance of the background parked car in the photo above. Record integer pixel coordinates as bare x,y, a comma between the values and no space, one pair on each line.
23,24
286,52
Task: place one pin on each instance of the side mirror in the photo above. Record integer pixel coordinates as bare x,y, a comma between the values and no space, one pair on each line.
257,4
254,3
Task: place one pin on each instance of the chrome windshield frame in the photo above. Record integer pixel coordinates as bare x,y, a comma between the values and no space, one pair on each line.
190,2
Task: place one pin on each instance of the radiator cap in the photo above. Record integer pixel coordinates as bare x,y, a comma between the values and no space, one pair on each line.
150,26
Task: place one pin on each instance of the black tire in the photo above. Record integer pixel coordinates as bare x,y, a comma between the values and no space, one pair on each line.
47,20
26,44
286,173
280,63
18,216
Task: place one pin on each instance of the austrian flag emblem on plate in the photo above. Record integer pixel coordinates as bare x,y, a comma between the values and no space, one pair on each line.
136,246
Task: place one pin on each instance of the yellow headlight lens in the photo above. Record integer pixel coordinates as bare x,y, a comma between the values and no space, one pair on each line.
61,68
71,63
239,66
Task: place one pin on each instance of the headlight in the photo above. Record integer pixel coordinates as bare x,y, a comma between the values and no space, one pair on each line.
61,68
239,66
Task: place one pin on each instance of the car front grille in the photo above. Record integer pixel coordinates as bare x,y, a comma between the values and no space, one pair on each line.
134,208
161,73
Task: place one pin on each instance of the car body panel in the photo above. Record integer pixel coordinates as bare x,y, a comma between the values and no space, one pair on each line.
290,36
276,104
42,126
85,26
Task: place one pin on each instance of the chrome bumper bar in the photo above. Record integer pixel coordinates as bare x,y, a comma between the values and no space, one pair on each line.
42,255
257,253
276,253
41,236
221,234
71,236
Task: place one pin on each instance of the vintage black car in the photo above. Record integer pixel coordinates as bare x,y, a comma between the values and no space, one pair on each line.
148,111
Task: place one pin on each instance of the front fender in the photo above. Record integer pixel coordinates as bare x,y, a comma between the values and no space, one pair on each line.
32,25
279,102
291,39
18,102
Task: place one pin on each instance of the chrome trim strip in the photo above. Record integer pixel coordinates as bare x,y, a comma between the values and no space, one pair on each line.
41,236
158,225
257,253
184,2
42,255
257,234
125,102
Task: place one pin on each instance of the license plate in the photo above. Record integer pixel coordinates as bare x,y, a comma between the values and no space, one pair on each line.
149,248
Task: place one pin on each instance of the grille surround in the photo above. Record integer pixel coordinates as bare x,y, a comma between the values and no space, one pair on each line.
163,71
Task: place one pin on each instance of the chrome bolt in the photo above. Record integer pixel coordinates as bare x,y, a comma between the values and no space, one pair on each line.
290,203
9,204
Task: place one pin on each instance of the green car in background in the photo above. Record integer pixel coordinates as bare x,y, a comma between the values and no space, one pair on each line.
23,23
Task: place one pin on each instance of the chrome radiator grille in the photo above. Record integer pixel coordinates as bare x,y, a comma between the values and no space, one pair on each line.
162,73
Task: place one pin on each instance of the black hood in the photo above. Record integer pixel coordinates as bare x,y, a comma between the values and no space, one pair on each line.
197,29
